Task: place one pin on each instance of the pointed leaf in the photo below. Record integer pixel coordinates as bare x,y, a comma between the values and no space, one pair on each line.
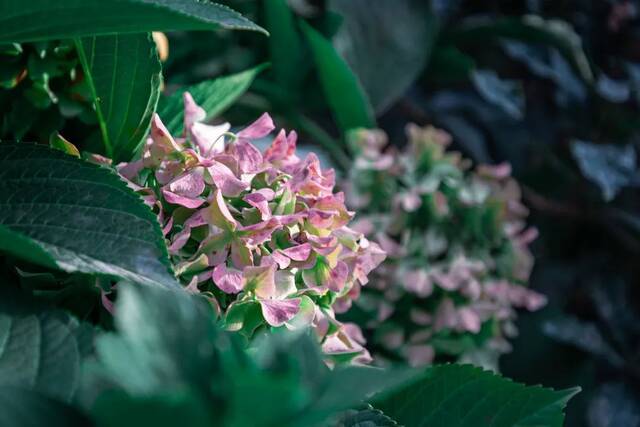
123,73
57,19
464,395
39,350
82,215
341,87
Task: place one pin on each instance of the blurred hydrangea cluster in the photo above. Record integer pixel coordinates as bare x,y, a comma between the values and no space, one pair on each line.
260,233
457,250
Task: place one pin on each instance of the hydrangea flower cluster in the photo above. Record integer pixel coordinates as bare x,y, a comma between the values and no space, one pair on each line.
457,247
261,234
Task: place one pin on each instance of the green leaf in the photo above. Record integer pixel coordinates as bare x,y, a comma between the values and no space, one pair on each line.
285,45
342,89
123,73
81,215
386,57
26,408
164,342
58,19
170,409
213,95
39,350
364,417
464,395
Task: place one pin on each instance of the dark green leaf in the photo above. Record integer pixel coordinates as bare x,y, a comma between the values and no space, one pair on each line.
164,342
364,417
341,87
39,350
25,408
285,44
58,19
385,56
173,408
464,395
83,216
213,95
123,73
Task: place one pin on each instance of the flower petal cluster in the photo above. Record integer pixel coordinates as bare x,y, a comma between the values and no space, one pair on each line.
457,245
260,232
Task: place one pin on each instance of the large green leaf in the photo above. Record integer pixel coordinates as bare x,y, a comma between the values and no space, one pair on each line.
82,215
385,56
285,46
33,20
26,408
464,395
213,95
39,349
123,73
341,87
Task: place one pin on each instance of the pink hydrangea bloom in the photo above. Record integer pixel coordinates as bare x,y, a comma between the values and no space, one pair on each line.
262,234
457,248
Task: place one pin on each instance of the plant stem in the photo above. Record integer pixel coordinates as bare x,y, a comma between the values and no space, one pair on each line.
87,75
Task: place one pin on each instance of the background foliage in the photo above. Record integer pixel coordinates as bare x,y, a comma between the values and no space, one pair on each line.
551,87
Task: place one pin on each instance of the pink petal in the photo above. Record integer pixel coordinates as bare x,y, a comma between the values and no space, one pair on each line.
282,261
167,227
298,253
446,316
338,277
258,129
179,240
499,171
308,178
209,139
161,137
181,200
259,233
192,112
277,312
282,150
469,320
420,355
190,185
410,201
249,157
225,180
418,282
106,302
260,201
228,280
321,219
130,170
